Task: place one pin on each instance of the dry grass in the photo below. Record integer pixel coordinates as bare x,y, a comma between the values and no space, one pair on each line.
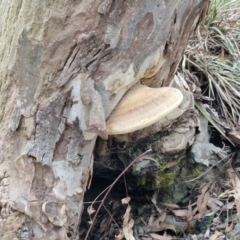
214,53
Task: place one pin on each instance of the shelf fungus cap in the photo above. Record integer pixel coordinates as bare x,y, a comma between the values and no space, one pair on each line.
142,106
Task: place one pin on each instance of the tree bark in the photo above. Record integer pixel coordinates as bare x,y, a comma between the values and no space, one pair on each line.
64,67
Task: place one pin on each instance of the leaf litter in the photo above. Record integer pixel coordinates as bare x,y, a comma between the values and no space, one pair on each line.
158,220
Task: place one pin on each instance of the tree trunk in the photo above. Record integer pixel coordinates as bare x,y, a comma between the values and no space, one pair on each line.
64,67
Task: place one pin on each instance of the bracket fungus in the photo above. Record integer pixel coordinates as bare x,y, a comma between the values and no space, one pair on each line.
141,107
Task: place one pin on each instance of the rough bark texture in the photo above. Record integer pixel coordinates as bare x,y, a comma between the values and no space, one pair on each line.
64,66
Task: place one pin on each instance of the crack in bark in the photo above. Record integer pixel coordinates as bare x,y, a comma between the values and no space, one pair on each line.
86,56
49,127
73,58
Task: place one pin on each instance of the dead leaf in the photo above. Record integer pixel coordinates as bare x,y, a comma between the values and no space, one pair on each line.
203,207
221,226
214,204
90,210
126,200
158,227
216,201
236,187
90,222
151,219
128,224
160,237
229,228
162,217
202,202
120,236
169,205
181,213
215,235
207,233
190,213
234,136
228,193
230,205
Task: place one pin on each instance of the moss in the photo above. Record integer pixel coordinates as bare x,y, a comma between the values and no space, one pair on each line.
154,181
142,180
166,180
161,168
137,220
196,171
